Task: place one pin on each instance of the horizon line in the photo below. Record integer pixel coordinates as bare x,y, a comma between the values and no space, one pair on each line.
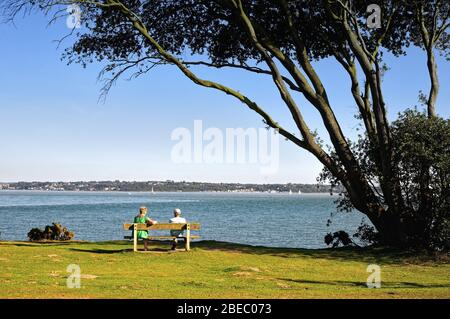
160,181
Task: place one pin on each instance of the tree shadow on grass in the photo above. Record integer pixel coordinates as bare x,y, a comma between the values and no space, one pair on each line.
367,255
115,251
110,247
101,251
43,243
390,285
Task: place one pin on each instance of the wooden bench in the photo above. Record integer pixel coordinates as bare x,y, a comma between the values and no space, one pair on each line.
169,226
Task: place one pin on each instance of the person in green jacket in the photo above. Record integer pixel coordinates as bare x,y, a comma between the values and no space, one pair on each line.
143,219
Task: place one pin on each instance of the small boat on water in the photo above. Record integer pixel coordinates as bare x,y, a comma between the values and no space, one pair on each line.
290,192
299,191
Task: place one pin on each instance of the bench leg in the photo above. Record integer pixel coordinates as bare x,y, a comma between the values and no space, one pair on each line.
135,237
188,238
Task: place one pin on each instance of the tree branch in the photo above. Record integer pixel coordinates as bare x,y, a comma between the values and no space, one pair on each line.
246,67
138,24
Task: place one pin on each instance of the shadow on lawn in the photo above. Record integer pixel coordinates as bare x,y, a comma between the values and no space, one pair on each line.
366,255
115,251
392,285
101,251
45,243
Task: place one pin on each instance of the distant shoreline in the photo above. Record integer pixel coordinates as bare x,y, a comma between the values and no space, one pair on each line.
169,186
161,192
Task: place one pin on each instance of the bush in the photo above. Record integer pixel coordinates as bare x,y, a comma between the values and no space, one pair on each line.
53,232
421,156
367,234
418,216
338,238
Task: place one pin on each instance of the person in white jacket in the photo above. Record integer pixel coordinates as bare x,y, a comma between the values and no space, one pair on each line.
177,219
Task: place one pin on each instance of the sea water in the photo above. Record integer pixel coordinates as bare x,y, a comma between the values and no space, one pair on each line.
277,220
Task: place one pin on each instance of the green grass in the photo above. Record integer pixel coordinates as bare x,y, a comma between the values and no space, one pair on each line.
215,270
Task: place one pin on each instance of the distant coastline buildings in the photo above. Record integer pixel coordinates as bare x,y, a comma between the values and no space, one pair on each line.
167,186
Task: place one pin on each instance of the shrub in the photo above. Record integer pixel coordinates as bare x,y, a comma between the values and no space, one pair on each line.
338,238
418,214
421,157
367,234
53,232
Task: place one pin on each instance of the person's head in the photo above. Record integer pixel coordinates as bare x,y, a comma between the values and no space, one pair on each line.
177,212
143,210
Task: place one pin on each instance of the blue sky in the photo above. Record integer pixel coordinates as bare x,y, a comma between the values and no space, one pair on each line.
52,126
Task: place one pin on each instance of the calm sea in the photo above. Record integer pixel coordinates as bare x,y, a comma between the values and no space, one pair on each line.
279,220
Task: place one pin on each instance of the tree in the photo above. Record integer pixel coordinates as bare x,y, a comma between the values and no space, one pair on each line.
421,159
421,162
429,32
279,39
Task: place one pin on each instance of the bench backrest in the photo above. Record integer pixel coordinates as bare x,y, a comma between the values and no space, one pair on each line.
167,226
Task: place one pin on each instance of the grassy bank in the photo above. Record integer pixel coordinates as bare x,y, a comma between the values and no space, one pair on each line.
214,270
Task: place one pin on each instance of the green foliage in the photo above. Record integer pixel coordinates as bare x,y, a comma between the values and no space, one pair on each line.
421,157
421,162
211,28
339,238
53,232
35,234
367,234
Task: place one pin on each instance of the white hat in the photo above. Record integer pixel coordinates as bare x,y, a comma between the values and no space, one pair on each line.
177,211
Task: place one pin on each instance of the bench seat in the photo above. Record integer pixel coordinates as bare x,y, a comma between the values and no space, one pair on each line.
164,237
187,228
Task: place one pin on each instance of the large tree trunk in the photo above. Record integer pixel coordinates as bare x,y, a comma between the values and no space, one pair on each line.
390,227
393,230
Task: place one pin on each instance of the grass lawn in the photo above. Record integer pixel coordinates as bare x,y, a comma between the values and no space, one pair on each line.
214,270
